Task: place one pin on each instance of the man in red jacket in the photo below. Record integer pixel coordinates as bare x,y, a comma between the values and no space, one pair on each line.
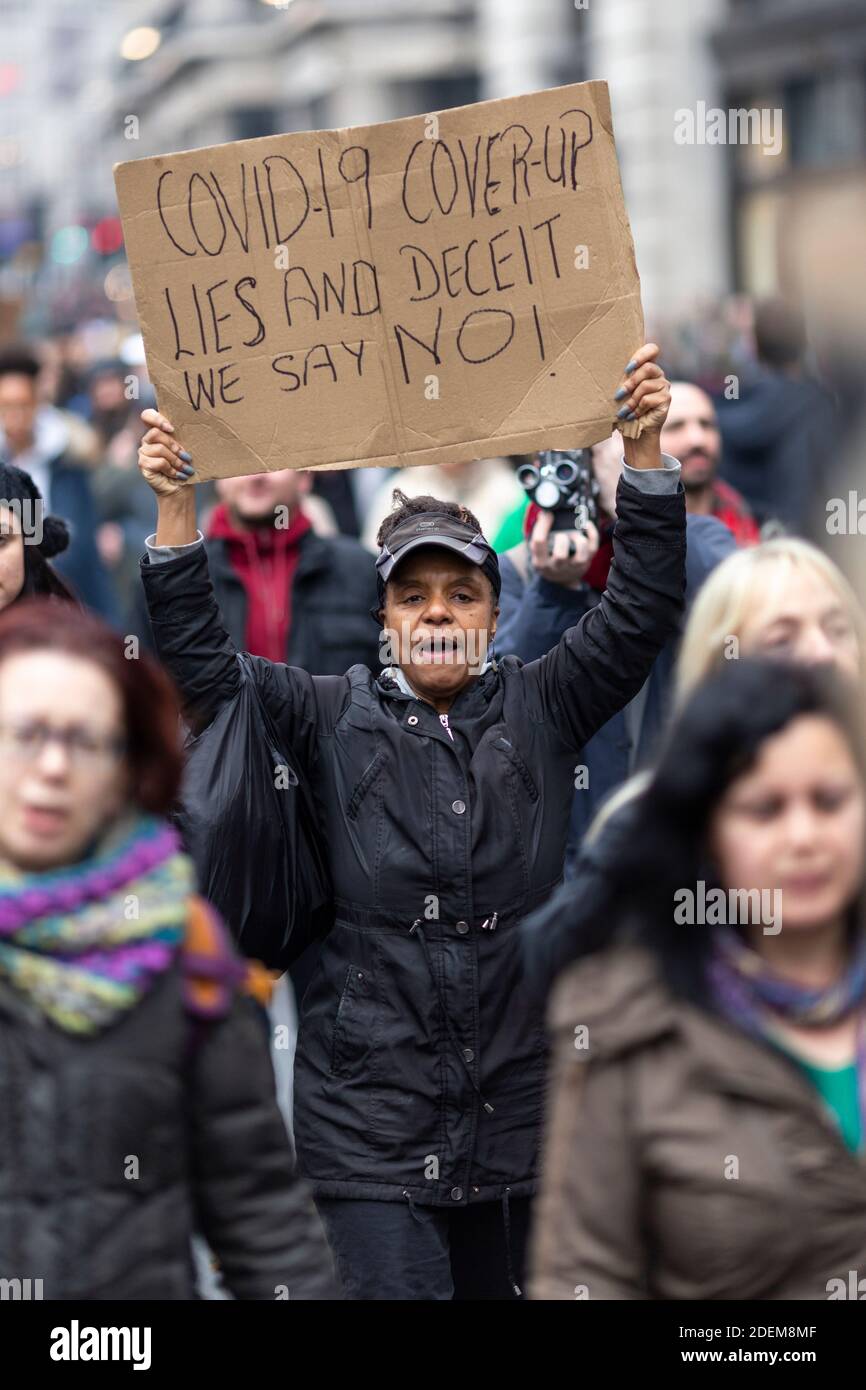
260,519
285,592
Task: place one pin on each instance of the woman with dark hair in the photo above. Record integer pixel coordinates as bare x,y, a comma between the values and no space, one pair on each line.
709,1073
28,541
135,1083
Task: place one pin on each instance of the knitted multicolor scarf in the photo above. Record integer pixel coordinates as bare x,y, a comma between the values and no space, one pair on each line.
86,942
746,988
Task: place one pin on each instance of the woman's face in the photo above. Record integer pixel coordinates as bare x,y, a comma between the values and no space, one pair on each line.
800,617
795,822
441,614
11,558
63,775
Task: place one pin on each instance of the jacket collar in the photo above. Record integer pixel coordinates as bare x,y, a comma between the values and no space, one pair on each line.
265,538
392,682
620,997
742,1065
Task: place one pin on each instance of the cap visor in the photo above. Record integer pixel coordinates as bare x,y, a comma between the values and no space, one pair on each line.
440,542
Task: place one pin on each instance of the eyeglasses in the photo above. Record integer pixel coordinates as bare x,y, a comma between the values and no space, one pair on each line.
26,742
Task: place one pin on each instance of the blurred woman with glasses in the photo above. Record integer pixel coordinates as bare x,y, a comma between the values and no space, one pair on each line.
135,1083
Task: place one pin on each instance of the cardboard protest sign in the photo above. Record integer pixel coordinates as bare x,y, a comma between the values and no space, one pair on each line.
430,290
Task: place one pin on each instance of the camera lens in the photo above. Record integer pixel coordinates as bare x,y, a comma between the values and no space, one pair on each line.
527,476
566,471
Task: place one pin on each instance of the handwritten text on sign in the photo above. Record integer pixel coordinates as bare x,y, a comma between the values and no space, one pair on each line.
428,290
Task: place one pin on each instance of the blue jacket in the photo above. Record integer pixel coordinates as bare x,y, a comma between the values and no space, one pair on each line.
534,615
777,438
80,565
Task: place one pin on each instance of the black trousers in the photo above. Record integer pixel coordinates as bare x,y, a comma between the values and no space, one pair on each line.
400,1251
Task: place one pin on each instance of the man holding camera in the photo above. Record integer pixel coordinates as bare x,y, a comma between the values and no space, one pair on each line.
559,572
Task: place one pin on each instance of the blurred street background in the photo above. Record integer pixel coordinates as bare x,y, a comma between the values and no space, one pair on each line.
85,86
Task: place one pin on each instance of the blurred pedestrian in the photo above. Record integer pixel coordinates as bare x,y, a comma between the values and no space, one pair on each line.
779,432
116,391
783,598
111,407
28,541
691,435
709,1075
136,1087
36,439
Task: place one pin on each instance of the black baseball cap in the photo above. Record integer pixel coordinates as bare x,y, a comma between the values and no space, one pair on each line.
441,529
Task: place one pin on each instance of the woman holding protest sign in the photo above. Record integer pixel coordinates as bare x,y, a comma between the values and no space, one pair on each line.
444,785
135,1085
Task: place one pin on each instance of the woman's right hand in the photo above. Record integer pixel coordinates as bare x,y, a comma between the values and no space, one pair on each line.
164,465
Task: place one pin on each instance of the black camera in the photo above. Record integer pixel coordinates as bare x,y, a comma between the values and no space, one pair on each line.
562,482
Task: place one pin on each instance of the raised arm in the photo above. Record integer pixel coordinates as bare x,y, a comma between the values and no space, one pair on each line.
188,631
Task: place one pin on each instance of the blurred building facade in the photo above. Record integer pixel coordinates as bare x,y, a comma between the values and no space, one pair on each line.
809,61
707,218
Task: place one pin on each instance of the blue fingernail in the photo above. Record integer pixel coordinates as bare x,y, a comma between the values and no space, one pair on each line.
624,413
187,471
618,395
632,415
630,368
187,458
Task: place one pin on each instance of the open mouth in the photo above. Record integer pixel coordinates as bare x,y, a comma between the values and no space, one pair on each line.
440,649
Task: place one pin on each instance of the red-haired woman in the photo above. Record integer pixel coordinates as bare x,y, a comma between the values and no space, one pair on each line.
135,1083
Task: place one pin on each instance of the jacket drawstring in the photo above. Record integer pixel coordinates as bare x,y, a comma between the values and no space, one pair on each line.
449,1027
409,1198
509,1267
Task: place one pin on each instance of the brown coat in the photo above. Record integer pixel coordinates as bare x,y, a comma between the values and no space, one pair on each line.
648,1126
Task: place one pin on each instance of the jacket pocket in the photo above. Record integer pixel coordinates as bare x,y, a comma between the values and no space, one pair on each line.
364,784
506,747
352,1039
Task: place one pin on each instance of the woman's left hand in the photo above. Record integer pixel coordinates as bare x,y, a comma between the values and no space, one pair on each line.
646,391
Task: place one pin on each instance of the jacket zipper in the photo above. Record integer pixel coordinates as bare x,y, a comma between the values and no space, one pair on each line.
443,720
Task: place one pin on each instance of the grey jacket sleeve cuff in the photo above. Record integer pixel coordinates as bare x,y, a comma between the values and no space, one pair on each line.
158,554
659,481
